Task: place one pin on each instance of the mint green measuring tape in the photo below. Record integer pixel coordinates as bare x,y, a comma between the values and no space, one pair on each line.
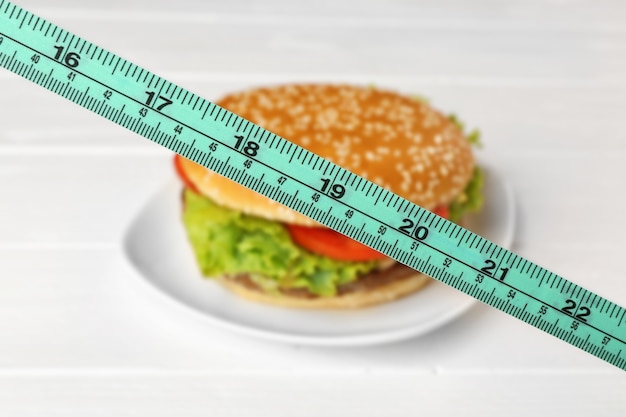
220,140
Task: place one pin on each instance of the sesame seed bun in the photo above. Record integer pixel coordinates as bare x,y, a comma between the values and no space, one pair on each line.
396,141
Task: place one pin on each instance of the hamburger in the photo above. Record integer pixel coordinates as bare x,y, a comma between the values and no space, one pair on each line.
264,251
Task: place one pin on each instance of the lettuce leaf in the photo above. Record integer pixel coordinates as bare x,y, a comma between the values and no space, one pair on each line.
471,199
473,137
228,242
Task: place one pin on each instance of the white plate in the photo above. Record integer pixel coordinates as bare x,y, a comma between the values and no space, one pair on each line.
157,248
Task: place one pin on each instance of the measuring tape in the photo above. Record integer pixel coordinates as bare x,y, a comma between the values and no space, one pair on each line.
213,137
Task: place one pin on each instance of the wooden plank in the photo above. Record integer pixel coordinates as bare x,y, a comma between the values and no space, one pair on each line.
65,199
330,394
401,46
547,14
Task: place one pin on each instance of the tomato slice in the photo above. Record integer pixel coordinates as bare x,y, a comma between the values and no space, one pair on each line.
334,245
443,211
178,165
331,244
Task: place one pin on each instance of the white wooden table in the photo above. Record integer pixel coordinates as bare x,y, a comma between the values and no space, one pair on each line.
545,81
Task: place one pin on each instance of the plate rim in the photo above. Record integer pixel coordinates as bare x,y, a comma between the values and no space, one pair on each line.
357,339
